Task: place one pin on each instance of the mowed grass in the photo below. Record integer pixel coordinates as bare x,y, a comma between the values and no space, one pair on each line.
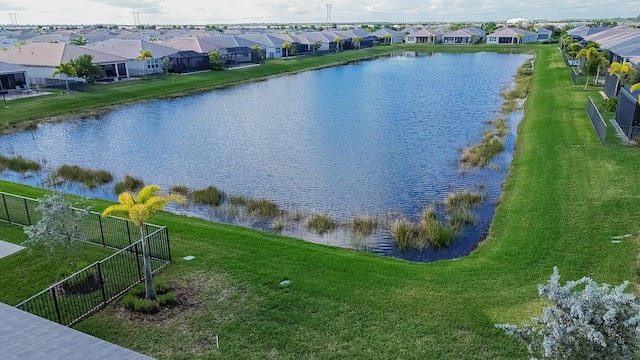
564,198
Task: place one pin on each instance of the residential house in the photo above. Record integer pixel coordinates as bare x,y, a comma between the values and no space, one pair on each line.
543,34
464,36
130,50
40,60
508,35
270,43
189,61
12,75
395,37
310,38
584,31
423,36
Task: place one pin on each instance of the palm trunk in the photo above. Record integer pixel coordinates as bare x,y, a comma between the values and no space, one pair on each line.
148,276
66,82
586,83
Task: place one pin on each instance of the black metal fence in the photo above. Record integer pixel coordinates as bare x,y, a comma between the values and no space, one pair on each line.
112,232
599,125
91,288
68,301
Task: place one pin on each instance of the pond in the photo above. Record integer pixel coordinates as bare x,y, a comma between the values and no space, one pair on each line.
374,137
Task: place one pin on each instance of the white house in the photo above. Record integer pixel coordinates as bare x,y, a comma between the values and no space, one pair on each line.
40,60
423,36
464,36
508,35
130,50
395,37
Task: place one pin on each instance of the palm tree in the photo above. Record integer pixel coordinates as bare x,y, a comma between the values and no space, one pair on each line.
356,42
67,70
315,46
339,43
593,63
287,47
139,210
144,54
80,41
519,37
387,39
618,69
473,39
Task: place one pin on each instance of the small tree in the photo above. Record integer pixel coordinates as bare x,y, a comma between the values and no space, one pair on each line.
218,60
166,64
387,39
315,46
139,209
287,48
144,55
339,43
635,87
584,321
356,42
85,68
57,230
80,40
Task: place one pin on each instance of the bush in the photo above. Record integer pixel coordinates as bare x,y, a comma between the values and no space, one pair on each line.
584,321
129,183
208,196
262,208
135,299
180,190
610,104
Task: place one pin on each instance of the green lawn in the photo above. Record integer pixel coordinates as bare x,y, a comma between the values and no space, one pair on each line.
565,197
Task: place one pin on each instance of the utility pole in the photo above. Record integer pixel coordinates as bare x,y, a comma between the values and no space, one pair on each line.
14,18
136,18
329,6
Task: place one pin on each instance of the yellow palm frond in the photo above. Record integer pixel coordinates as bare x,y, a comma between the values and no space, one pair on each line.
175,198
147,193
116,209
126,198
635,87
155,204
139,213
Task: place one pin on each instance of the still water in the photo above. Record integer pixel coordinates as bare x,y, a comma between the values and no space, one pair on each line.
373,137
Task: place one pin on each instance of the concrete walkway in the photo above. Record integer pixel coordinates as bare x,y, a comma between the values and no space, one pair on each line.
26,336
7,248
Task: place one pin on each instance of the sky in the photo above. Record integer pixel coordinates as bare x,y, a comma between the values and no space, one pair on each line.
201,12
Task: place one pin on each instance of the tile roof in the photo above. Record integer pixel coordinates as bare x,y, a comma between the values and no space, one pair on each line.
52,54
130,49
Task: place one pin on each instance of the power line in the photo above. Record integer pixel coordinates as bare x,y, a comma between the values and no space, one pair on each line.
14,18
136,18
491,13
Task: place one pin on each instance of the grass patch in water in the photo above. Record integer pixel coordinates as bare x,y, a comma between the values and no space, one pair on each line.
129,183
464,199
88,177
180,190
238,200
403,232
321,224
208,196
18,164
480,154
434,231
262,208
363,225
502,129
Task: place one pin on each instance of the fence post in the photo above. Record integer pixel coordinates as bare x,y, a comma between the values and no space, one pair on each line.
6,209
26,209
104,294
55,303
101,230
166,232
128,232
138,260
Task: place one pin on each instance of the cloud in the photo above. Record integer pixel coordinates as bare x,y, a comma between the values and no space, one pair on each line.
12,6
142,6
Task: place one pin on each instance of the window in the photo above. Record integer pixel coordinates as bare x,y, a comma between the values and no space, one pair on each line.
153,64
277,50
492,38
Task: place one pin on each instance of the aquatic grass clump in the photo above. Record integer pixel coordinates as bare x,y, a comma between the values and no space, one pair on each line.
180,190
262,208
502,129
278,225
208,196
321,224
509,106
363,225
433,231
88,177
18,164
238,200
463,199
403,232
459,217
480,154
129,183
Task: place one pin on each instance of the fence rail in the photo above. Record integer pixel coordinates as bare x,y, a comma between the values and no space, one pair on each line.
578,79
599,125
113,232
71,299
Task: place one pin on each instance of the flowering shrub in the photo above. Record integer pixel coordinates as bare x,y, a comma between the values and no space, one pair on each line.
585,321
